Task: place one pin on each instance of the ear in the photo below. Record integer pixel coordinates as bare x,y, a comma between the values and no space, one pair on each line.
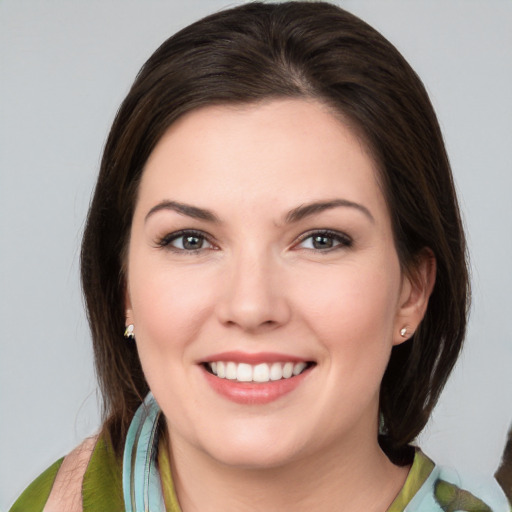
417,285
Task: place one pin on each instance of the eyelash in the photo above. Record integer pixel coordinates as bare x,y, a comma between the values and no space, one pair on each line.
166,241
342,240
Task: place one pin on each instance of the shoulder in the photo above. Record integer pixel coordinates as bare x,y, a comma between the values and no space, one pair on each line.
36,494
446,489
78,482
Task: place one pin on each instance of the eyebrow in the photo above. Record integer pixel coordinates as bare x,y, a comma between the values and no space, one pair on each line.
292,216
184,209
306,210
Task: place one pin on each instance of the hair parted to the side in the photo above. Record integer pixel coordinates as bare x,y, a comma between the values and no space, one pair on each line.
256,52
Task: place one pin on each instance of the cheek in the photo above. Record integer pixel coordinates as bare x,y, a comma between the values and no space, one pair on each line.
353,310
168,305
354,300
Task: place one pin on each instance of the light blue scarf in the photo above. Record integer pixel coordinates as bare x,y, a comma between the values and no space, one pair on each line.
142,486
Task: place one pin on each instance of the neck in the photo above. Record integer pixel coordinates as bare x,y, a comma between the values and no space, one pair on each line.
355,474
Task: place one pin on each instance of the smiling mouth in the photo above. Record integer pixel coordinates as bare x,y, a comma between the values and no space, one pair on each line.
259,373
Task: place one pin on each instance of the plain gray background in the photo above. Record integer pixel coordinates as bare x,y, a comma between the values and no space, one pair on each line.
65,67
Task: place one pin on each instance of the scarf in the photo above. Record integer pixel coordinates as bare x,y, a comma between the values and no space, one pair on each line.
142,488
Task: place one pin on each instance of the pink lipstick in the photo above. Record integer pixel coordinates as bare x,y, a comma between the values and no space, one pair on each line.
255,378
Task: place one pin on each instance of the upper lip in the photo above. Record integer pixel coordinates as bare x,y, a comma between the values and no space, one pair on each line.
254,358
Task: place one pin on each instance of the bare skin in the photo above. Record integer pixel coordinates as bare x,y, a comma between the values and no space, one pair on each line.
369,483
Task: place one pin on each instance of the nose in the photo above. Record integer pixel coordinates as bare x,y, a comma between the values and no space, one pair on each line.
254,295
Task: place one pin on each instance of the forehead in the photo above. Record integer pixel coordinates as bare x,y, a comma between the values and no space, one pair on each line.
277,152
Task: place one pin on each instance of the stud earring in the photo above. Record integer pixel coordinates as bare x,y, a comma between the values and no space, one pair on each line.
403,332
128,333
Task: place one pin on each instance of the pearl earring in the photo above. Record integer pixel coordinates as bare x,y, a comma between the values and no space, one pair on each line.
403,332
128,333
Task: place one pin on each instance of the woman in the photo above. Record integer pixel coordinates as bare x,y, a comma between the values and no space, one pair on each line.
276,232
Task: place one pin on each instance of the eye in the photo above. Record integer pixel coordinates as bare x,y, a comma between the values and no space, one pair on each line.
324,240
186,241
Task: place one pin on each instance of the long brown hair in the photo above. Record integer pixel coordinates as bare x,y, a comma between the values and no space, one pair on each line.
294,49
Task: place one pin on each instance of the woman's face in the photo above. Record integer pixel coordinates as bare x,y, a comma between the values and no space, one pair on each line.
261,249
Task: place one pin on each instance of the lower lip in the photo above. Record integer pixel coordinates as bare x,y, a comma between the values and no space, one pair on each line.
254,393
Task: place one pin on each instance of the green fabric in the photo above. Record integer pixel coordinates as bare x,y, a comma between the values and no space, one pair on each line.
36,494
170,498
421,469
102,486
451,498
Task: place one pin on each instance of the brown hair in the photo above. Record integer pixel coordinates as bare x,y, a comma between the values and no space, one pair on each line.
294,49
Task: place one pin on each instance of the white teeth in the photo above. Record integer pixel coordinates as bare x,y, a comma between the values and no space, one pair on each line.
263,372
244,372
299,368
221,370
231,371
287,370
276,371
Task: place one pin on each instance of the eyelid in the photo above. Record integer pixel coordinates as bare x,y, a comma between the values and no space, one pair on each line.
343,239
165,242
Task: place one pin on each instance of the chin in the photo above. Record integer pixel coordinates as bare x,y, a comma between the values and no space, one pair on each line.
264,446
258,456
